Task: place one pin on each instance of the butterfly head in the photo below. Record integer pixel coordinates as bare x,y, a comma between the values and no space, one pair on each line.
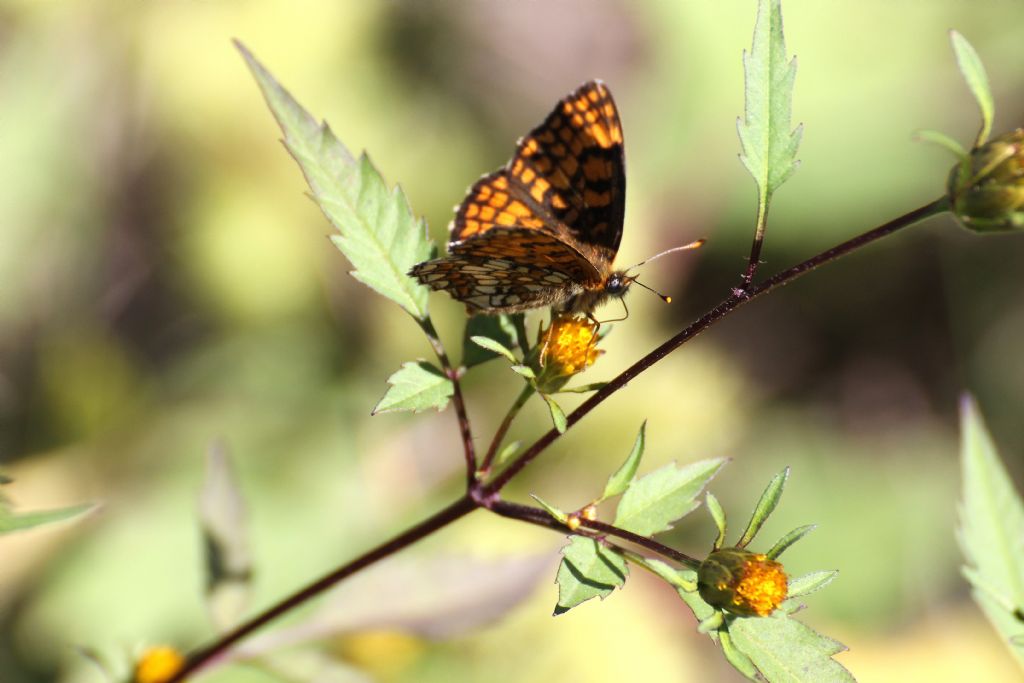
618,283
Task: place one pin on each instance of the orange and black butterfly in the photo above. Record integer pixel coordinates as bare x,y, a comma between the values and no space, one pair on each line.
544,230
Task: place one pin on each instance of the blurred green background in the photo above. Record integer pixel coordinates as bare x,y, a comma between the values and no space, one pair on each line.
165,283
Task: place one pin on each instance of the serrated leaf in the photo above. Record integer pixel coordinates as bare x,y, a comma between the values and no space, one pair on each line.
973,71
623,477
764,508
11,521
416,386
789,539
588,570
769,144
718,515
557,415
991,528
810,583
378,232
495,347
941,140
653,502
556,514
222,518
498,329
785,649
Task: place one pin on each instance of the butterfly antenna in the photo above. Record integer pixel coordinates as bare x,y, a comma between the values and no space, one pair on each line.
664,297
692,245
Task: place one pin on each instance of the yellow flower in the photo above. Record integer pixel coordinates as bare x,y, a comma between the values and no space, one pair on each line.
569,346
158,664
987,189
744,583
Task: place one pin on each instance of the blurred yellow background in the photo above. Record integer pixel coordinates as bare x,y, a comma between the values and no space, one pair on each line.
166,283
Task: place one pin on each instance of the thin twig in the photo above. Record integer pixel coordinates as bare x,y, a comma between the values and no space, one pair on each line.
459,508
734,301
487,495
540,517
499,435
465,432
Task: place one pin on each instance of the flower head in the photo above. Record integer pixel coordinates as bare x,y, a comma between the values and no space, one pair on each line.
744,583
986,189
567,347
158,664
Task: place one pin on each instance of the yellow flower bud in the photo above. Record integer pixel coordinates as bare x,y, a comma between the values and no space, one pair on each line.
158,664
742,582
567,347
986,190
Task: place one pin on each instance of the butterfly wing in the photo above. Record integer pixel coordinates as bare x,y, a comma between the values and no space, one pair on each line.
567,178
509,269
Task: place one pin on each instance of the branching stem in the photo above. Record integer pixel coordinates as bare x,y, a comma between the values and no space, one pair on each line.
487,495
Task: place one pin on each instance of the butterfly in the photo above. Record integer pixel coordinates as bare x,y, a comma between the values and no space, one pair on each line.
544,229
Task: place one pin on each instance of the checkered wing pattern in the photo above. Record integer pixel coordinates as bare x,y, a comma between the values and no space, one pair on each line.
509,269
546,227
567,177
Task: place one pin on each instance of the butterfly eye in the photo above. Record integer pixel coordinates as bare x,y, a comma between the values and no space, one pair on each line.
616,285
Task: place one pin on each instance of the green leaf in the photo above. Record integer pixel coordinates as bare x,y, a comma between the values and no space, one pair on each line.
810,583
11,521
558,515
495,347
507,452
416,386
378,232
769,145
623,477
222,518
717,514
973,71
500,334
653,502
765,507
785,649
557,416
583,389
991,528
588,570
942,140
789,539
525,371
737,658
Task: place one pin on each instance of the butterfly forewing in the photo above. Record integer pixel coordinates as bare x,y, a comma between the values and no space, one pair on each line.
546,226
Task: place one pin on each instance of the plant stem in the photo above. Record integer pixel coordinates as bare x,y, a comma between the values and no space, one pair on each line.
486,495
734,301
499,435
533,515
457,401
456,510
754,260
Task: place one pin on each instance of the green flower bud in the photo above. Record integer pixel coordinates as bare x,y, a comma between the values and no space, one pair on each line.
986,190
744,583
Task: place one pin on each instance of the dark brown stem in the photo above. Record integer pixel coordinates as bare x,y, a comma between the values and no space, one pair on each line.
499,435
456,510
734,301
458,402
486,495
540,517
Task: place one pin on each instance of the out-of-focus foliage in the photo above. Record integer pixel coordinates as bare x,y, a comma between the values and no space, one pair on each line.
165,283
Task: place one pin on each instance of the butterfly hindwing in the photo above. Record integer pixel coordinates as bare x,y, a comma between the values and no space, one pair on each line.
509,269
